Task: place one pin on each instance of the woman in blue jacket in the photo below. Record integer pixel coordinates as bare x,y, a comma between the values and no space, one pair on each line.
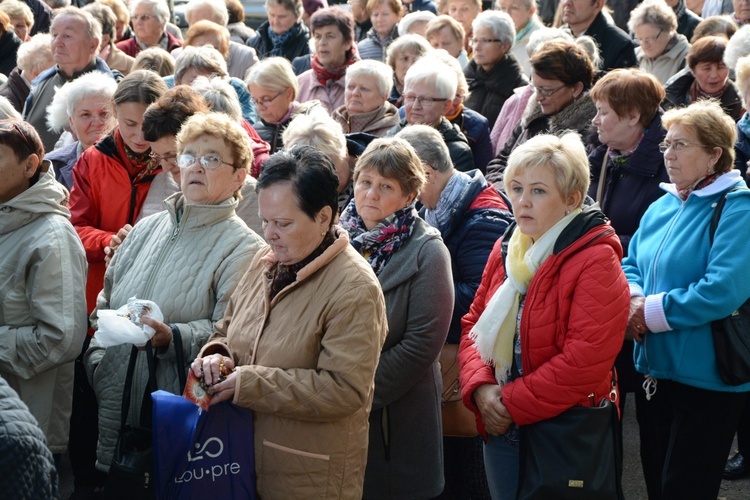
679,284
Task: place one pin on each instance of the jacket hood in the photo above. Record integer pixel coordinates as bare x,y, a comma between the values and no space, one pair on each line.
44,197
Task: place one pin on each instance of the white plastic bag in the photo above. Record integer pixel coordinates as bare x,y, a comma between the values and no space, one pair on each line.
123,326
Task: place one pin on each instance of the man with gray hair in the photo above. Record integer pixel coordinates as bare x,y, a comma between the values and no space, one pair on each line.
76,37
471,216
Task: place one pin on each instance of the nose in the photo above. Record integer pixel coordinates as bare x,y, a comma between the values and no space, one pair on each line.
595,121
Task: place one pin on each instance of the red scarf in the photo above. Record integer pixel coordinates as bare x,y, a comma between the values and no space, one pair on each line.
707,180
326,75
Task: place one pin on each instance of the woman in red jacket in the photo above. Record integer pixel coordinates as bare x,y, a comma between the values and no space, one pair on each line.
549,316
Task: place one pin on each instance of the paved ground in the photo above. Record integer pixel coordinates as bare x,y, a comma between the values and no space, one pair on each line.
633,485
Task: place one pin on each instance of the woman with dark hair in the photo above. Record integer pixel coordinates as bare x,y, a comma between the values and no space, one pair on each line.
335,50
706,77
561,75
301,337
283,34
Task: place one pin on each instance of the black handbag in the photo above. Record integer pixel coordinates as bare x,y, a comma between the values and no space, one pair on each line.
131,471
731,334
575,455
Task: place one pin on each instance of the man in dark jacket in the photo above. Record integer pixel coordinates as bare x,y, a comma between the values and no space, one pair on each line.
585,17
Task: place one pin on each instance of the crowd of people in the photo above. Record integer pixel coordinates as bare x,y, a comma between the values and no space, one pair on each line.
329,206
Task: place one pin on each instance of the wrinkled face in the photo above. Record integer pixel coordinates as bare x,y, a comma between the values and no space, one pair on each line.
427,111
404,61
561,95
538,204
376,197
203,186
292,234
652,39
330,46
147,27
20,27
487,49
519,13
272,105
92,119
580,13
362,95
614,131
444,39
693,162
72,50
166,150
463,11
130,119
742,10
383,19
711,76
280,18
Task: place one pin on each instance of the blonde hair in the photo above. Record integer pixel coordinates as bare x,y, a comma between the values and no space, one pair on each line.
273,73
319,130
742,71
394,158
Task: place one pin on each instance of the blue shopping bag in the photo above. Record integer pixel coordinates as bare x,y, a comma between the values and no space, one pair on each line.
199,453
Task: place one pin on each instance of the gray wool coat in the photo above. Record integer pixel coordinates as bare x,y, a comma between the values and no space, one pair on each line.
405,455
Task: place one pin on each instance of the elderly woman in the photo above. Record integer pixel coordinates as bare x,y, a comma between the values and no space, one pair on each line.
384,15
239,57
429,92
404,456
366,108
112,179
155,59
284,34
301,336
43,269
114,57
526,22
83,106
335,51
446,33
21,17
401,55
493,72
627,168
662,50
675,299
273,87
706,77
149,19
192,286
561,76
530,334
33,57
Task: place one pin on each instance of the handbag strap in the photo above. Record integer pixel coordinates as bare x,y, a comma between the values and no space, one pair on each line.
128,389
179,354
717,214
602,178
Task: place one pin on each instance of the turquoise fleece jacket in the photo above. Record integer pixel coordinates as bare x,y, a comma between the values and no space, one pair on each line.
687,282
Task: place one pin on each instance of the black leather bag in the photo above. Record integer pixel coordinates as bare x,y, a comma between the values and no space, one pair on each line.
731,334
575,455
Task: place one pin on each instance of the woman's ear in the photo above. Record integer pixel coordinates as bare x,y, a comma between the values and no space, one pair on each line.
577,90
574,200
715,155
324,217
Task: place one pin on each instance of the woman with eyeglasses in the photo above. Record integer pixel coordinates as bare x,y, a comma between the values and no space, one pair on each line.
681,282
493,71
562,74
149,19
187,259
662,49
273,87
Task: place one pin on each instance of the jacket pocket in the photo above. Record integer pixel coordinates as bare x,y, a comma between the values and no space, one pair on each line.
303,473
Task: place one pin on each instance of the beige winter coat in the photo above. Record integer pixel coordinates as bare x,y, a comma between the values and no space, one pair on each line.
306,363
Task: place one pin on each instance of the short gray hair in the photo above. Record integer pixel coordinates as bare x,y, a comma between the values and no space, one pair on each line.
219,12
462,86
432,69
159,8
656,13
429,145
273,73
590,47
500,23
737,47
378,71
93,28
319,130
36,53
538,37
292,5
7,110
67,97
416,44
204,58
220,96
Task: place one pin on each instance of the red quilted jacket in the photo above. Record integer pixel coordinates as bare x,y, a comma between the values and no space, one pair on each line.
572,326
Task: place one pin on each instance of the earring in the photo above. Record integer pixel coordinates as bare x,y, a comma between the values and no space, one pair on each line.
567,212
323,233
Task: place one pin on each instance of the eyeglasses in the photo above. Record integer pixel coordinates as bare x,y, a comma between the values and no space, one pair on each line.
144,18
159,159
483,41
207,161
649,40
547,92
413,99
677,146
266,100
